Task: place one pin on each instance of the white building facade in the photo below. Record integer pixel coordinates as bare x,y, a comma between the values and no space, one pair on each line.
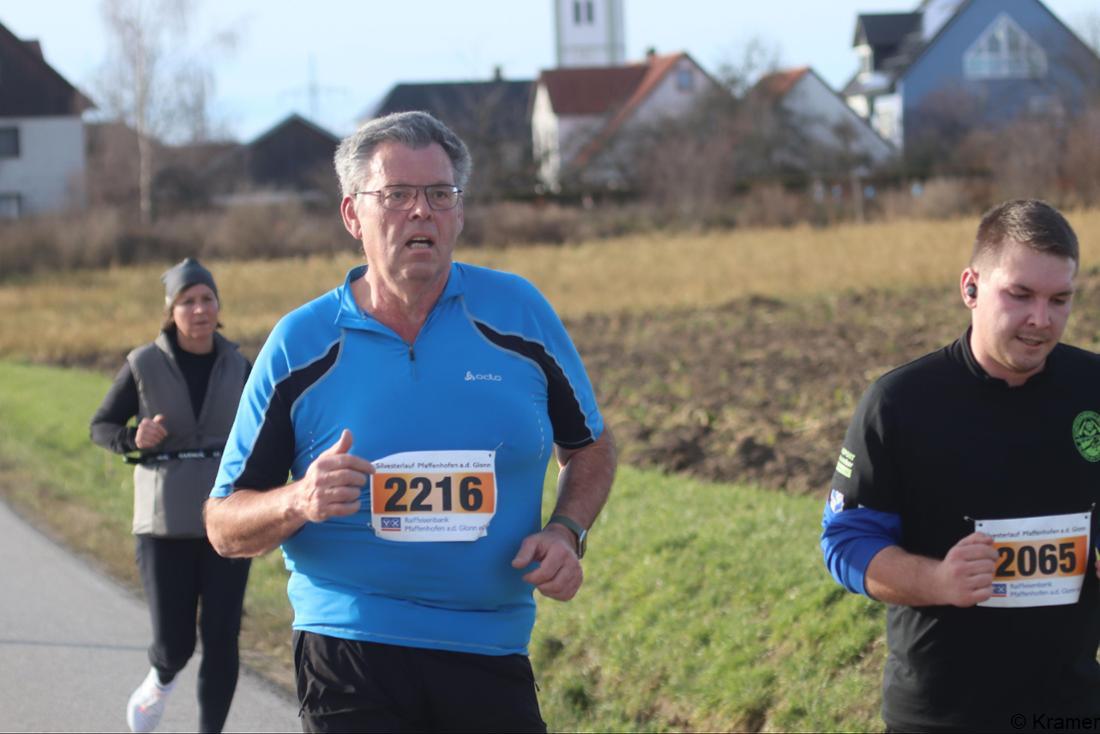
828,122
582,118
42,167
42,151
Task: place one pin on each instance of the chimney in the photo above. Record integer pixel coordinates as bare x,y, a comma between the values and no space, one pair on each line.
650,54
498,73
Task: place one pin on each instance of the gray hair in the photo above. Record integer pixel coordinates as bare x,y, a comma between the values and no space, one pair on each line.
414,129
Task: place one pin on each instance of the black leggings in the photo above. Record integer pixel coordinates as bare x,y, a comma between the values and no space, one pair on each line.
176,574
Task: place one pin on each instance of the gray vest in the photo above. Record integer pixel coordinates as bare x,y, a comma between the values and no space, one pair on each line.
168,496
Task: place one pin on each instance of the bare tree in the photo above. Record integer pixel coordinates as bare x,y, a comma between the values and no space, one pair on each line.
156,78
691,163
757,58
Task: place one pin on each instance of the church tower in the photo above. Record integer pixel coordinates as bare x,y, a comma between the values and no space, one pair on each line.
589,32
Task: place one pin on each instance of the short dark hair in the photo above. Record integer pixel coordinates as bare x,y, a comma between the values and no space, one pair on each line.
1032,223
414,129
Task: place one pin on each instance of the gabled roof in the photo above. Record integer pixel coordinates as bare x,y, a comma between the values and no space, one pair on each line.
287,124
498,105
885,29
655,69
771,90
30,87
596,90
775,86
913,49
286,156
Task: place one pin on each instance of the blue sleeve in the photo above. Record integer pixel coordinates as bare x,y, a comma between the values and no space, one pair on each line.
851,536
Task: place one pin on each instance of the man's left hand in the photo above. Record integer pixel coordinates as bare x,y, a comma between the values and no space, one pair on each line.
559,574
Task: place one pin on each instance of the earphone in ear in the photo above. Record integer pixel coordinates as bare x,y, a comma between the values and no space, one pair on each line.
972,290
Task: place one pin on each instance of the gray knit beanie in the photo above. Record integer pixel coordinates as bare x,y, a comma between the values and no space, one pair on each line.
184,275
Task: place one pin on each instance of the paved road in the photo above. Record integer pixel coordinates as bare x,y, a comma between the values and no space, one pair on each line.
72,648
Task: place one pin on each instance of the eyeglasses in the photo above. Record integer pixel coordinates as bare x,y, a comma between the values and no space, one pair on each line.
440,197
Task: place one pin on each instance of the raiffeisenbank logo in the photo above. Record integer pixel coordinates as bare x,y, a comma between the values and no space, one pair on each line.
480,377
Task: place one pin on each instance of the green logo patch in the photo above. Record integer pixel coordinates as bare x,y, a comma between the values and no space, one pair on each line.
1086,435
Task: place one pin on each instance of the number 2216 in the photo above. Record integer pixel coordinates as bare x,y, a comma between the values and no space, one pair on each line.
470,495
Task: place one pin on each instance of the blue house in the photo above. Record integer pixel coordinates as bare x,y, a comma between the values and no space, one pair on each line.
952,65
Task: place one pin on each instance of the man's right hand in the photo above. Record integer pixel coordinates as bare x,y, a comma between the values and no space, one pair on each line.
332,484
965,576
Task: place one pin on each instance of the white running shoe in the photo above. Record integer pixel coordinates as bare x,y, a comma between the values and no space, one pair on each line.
146,704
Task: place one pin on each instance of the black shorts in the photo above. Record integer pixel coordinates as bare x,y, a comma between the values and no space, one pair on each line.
347,685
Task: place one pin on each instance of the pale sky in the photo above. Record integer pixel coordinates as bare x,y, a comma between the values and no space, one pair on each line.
360,48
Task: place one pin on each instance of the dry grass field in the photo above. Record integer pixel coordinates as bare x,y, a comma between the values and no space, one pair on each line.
732,357
93,317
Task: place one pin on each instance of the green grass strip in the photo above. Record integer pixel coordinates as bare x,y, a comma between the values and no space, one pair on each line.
705,607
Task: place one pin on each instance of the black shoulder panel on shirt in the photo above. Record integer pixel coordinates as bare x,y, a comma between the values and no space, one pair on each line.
272,456
567,417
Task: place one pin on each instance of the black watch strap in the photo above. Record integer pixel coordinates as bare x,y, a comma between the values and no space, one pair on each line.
576,528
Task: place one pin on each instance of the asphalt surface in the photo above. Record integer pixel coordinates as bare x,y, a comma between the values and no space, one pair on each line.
73,647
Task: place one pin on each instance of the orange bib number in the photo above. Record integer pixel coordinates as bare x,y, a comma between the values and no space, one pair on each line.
1041,561
434,495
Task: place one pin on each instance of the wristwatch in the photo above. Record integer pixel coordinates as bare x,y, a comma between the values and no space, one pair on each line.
580,532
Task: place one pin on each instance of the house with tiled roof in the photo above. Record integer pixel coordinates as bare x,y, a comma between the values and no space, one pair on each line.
290,161
954,64
42,164
493,118
825,134
582,118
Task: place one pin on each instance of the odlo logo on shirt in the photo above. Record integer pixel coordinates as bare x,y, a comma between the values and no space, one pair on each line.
488,377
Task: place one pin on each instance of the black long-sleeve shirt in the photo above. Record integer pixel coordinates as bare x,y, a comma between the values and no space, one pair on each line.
938,444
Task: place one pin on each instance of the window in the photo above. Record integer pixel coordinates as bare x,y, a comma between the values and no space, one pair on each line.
866,59
685,79
584,12
1005,51
10,206
1046,105
9,142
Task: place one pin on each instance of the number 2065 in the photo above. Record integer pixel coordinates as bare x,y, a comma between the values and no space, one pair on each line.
1047,559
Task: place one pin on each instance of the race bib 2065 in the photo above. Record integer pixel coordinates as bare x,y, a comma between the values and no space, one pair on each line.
1041,561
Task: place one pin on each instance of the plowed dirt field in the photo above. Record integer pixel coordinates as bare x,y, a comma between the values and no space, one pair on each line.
761,391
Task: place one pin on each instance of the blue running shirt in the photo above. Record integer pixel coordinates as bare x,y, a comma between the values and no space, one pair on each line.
492,369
